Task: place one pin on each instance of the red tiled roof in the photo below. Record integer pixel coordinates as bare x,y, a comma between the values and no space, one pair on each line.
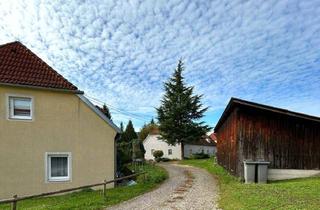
20,66
213,136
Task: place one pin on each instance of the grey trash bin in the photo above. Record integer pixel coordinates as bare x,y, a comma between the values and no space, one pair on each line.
262,171
249,171
255,171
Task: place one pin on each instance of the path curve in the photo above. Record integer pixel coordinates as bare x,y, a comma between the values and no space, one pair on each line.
187,188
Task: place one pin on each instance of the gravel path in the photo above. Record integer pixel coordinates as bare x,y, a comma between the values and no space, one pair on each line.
187,188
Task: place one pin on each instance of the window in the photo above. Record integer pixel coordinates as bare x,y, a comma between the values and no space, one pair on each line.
20,108
169,151
58,166
208,152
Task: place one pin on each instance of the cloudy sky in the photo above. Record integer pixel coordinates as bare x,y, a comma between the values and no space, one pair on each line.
121,52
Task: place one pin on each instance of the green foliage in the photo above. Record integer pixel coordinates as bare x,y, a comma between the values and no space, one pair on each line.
157,155
106,111
288,194
138,150
129,134
121,127
124,145
93,200
146,129
180,111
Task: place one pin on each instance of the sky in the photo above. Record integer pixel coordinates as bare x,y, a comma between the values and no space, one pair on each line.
121,52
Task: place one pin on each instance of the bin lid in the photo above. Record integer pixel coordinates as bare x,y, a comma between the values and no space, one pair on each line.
259,162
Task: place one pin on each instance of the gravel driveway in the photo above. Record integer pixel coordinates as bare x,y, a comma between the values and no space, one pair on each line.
187,188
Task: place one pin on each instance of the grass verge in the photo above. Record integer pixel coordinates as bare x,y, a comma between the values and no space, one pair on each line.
289,194
93,199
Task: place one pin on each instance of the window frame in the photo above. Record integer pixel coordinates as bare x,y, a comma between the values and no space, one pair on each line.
10,108
169,151
48,156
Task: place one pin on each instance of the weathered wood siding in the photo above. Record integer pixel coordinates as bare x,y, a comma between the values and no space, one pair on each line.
287,142
227,149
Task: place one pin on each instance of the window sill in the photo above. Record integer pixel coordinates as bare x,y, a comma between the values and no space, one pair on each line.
59,179
20,119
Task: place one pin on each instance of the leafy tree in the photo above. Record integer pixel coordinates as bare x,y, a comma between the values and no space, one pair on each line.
146,129
180,112
143,133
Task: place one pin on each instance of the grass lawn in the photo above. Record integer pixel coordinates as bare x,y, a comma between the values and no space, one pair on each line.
93,199
293,194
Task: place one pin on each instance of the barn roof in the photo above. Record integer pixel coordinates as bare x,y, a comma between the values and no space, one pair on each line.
235,102
21,67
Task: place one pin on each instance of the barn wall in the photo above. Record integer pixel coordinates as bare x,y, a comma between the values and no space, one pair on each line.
287,142
227,148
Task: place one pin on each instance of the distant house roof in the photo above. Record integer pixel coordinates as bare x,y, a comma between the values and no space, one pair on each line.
21,67
235,102
213,137
205,141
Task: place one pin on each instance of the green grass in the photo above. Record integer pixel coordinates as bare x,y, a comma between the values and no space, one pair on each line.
289,194
94,199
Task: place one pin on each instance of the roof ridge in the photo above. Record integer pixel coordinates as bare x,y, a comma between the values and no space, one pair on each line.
9,43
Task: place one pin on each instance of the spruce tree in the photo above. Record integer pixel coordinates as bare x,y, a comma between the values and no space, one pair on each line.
180,112
129,133
121,127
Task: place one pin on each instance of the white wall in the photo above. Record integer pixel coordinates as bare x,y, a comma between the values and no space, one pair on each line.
153,143
191,149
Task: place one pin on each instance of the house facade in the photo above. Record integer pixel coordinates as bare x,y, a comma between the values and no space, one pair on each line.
290,141
153,142
51,136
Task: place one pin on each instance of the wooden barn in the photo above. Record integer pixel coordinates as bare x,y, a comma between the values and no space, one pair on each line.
252,131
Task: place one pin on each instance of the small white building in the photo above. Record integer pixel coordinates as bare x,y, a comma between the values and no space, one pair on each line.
152,143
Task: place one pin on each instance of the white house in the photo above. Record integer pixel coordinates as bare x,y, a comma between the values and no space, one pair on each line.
152,143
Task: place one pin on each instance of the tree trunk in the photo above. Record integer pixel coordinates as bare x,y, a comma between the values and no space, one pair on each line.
182,151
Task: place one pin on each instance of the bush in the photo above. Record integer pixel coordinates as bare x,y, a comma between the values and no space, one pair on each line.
199,156
165,159
157,155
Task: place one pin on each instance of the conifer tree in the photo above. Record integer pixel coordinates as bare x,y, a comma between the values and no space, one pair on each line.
180,112
129,133
106,111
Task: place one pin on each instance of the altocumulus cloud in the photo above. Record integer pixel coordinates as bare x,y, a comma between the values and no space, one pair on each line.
121,52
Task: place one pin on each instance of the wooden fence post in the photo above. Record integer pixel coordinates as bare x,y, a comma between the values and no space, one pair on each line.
144,177
105,189
14,203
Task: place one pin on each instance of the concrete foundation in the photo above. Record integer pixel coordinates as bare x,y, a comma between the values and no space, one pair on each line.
282,174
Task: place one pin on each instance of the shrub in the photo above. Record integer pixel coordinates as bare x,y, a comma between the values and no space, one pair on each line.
165,159
199,156
158,153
